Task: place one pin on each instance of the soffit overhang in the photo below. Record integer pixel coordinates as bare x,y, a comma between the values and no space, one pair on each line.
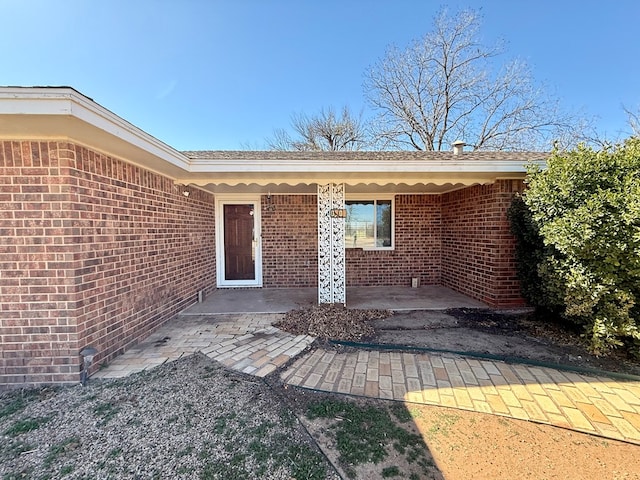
419,180
63,114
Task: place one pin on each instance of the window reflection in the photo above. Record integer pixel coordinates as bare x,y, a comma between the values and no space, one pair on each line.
368,224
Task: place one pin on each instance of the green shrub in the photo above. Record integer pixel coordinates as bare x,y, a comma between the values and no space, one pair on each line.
529,254
579,240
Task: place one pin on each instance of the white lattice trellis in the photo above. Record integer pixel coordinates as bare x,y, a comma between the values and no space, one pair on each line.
331,262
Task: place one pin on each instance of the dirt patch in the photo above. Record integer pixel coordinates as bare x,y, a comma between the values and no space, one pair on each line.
459,445
514,335
468,445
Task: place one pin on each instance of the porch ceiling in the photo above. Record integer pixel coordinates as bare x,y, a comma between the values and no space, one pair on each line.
311,189
351,188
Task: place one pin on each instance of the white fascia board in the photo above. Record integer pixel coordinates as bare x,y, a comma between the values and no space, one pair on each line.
68,102
366,166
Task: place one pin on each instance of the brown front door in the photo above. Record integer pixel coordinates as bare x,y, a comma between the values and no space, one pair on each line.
239,252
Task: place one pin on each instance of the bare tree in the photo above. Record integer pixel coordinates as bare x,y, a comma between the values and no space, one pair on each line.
442,89
604,141
325,131
634,121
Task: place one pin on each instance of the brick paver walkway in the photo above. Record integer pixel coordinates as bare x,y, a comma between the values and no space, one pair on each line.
243,342
596,405
249,343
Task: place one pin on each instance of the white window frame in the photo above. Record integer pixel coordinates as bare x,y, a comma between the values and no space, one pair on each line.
375,199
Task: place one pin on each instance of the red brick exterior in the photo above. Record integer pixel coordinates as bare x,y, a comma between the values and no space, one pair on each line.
477,246
417,249
93,251
290,241
290,245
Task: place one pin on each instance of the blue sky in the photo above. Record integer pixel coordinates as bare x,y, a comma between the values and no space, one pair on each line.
223,74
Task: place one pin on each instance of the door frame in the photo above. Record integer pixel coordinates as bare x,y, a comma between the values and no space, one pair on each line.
238,199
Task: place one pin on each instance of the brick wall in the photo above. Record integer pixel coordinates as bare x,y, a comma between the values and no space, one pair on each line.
290,241
290,244
460,240
477,247
417,248
93,251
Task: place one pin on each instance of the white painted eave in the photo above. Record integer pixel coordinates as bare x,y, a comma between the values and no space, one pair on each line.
362,166
62,113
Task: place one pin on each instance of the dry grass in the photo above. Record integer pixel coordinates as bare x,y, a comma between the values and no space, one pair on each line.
191,418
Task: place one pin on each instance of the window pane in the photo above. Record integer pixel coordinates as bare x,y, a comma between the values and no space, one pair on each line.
360,224
383,223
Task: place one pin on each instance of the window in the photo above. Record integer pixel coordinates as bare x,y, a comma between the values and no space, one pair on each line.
369,224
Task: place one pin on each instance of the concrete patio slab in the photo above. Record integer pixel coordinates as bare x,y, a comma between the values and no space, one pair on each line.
253,300
430,297
281,300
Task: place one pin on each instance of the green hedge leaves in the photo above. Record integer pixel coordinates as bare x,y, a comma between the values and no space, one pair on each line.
578,231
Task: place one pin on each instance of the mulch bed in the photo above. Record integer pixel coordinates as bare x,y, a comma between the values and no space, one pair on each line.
331,322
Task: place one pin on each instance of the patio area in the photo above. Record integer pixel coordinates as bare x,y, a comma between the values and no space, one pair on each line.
282,300
235,326
247,341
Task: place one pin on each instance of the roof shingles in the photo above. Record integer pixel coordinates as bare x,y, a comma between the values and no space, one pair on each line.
391,156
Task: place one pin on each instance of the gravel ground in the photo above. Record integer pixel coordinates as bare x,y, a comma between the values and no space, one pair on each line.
191,418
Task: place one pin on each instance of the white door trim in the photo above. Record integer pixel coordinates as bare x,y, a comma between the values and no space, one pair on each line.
221,201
